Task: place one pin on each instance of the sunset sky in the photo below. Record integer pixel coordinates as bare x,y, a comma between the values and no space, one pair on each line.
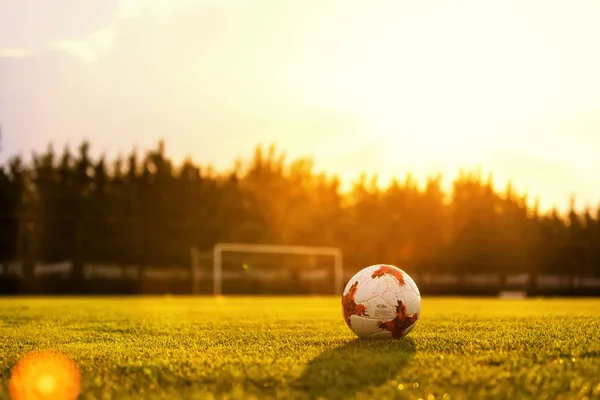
376,86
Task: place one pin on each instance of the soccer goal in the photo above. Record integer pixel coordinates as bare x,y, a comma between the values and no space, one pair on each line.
310,253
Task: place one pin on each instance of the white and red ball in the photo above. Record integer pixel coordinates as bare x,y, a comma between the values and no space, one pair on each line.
381,301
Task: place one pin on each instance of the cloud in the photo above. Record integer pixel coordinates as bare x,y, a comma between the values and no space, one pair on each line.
15,53
91,47
100,42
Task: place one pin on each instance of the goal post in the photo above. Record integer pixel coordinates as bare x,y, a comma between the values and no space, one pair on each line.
311,251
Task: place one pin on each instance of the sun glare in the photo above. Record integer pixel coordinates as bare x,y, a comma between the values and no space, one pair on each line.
45,376
454,88
46,384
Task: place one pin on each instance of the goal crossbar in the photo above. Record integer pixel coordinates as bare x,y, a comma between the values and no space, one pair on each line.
219,248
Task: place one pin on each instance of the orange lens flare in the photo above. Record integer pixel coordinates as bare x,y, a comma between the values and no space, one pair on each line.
46,375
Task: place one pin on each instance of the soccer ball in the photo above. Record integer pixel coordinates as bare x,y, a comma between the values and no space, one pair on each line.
381,301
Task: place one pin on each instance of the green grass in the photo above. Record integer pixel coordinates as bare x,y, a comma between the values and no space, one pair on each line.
244,348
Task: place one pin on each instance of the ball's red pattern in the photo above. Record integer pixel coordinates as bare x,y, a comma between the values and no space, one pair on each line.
350,306
401,322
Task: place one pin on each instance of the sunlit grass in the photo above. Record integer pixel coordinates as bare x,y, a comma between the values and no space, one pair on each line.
244,348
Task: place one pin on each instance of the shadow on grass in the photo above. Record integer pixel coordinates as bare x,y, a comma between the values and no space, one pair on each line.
354,367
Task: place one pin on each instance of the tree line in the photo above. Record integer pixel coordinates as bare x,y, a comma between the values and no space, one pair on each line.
148,210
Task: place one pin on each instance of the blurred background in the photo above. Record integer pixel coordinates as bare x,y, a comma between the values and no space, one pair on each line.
456,140
73,224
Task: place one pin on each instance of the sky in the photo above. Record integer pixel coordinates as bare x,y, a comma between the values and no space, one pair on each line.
386,87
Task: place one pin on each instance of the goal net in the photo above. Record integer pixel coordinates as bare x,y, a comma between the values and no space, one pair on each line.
239,268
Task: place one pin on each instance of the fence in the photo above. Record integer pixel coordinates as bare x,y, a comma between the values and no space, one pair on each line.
57,278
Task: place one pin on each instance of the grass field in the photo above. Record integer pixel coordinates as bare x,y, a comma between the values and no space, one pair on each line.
244,348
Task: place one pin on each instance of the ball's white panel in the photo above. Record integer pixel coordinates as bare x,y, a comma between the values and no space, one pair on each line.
412,296
381,335
392,292
367,286
379,309
412,302
364,326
